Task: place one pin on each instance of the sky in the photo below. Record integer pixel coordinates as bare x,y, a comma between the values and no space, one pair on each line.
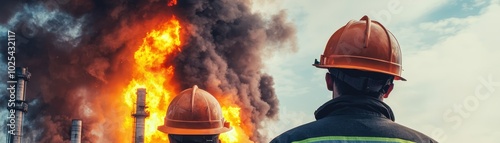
450,58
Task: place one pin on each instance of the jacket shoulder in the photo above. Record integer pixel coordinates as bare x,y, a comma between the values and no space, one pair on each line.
411,133
294,134
349,127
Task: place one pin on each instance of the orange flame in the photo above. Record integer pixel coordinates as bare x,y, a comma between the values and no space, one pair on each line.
154,73
172,3
232,114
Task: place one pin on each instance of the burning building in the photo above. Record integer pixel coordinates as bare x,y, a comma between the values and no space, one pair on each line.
90,58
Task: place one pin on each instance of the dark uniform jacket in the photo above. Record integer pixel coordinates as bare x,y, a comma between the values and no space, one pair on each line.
353,119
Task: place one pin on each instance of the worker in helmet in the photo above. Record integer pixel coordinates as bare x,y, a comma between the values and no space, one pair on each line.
194,116
363,59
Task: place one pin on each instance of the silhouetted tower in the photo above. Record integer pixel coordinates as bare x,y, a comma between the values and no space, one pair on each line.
22,76
76,131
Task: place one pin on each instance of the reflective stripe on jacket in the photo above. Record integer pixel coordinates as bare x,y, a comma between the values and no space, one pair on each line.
342,139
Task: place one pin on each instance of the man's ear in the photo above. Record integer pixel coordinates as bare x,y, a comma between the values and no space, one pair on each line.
389,89
329,81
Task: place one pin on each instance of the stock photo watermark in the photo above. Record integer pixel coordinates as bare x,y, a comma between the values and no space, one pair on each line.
11,82
455,115
15,87
26,29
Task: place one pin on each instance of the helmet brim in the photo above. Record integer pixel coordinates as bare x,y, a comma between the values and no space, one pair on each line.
183,131
396,77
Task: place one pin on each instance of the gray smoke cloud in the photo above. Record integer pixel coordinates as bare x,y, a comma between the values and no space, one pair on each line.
79,53
225,52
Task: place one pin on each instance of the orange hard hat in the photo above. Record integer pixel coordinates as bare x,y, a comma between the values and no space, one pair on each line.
363,45
194,112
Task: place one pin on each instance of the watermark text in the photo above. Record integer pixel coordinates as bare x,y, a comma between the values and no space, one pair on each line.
11,82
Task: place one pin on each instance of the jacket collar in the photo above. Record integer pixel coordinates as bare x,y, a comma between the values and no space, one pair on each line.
354,104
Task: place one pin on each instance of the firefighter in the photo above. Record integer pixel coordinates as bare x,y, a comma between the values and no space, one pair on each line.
194,116
363,59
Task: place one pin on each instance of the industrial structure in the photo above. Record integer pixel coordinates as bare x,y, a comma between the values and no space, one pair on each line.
140,115
22,76
76,131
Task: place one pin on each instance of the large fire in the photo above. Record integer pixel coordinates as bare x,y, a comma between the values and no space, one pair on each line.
153,72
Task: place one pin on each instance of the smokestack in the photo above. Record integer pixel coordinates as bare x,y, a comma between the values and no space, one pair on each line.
140,115
22,77
76,131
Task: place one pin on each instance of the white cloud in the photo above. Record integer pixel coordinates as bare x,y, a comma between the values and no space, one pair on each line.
284,76
446,77
474,4
330,11
448,26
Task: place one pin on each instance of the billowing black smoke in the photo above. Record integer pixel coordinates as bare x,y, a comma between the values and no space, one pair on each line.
80,51
224,53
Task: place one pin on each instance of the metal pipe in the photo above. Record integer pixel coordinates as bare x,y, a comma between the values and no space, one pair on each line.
140,115
21,107
76,131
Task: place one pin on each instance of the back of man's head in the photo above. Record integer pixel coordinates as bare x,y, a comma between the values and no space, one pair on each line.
359,82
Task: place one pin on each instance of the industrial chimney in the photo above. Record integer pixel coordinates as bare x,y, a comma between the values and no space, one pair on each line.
76,131
140,115
22,76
